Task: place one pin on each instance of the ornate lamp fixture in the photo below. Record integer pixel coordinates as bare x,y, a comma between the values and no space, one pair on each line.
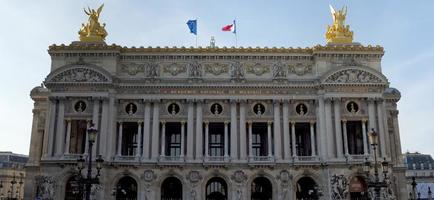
88,181
376,183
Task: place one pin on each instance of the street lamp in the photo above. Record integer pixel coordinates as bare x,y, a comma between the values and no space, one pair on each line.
89,180
376,183
413,186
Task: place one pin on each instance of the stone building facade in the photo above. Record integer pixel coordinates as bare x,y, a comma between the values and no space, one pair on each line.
12,174
228,115
420,167
214,123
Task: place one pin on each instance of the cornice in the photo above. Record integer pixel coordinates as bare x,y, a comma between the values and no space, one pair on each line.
353,48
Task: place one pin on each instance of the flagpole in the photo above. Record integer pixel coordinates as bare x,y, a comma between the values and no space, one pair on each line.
196,32
236,37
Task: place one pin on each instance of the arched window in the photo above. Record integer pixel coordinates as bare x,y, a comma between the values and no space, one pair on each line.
216,189
126,189
73,190
171,189
262,189
307,189
358,188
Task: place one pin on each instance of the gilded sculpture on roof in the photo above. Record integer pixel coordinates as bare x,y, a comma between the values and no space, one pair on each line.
338,32
93,31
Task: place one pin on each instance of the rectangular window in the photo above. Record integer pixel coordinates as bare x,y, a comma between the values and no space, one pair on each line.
77,142
355,137
129,138
259,139
173,139
302,139
216,139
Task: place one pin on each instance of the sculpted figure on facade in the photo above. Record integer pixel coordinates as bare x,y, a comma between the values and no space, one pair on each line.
237,71
79,75
152,70
339,187
148,176
353,76
279,70
194,70
239,177
45,187
284,177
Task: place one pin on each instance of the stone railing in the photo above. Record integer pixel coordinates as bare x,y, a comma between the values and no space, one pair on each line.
171,159
306,159
216,159
126,158
261,159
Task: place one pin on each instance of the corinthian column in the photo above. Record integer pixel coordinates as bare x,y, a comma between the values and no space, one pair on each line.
68,136
234,131
155,131
190,126
199,133
119,149
277,132
286,136
243,154
338,128
139,138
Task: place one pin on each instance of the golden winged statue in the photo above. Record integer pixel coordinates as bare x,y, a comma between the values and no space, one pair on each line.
338,32
92,31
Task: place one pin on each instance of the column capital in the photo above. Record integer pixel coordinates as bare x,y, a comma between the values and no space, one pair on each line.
364,120
139,122
312,122
68,119
379,100
242,101
183,122
344,121
292,122
269,123
337,99
394,112
120,121
191,101
249,122
328,99
206,122
277,101
163,122
226,122
233,101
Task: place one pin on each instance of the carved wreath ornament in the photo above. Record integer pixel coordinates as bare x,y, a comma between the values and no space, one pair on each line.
79,74
353,76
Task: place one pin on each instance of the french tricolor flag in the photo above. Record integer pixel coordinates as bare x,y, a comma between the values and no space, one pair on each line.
231,27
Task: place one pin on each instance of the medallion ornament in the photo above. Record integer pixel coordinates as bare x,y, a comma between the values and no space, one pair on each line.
174,69
216,68
194,177
133,68
149,176
239,177
300,69
257,69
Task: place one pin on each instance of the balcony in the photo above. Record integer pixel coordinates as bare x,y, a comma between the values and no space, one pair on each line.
216,159
127,159
171,159
261,159
306,159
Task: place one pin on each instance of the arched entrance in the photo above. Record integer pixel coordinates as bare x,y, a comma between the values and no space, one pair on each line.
171,189
73,190
262,189
216,189
307,189
358,188
126,189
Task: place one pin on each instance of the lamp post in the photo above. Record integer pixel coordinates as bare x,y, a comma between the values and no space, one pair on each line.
376,183
89,180
413,194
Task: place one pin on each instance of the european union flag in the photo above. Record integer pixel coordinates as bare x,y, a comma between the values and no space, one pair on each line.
192,25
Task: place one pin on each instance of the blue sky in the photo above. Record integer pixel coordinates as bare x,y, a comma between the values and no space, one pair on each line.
404,29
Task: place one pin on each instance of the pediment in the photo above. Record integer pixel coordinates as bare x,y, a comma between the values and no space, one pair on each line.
354,75
79,73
